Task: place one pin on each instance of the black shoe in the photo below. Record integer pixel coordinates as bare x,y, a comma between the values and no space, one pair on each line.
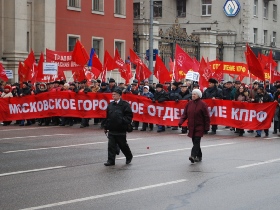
159,131
62,125
128,160
198,159
250,131
266,135
258,135
240,134
236,131
212,133
191,159
40,124
27,124
109,164
227,127
232,129
184,131
274,132
95,123
143,129
174,128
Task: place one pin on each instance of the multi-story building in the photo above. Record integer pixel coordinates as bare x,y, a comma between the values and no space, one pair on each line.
57,24
217,29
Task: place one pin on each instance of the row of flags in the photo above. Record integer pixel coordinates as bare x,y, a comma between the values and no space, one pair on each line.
28,70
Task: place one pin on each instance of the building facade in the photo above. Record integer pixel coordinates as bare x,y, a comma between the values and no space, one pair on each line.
217,29
57,24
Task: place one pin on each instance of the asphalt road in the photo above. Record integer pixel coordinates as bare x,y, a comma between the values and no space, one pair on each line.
62,168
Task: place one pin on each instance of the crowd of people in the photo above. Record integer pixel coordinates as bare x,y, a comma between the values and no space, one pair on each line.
256,92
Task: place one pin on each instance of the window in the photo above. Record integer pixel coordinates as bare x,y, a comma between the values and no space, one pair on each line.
120,7
274,12
273,37
72,39
265,37
98,5
255,35
74,3
120,45
265,10
98,46
136,10
255,8
157,9
206,7
181,8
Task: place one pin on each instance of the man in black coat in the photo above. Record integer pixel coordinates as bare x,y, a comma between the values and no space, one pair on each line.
213,92
119,115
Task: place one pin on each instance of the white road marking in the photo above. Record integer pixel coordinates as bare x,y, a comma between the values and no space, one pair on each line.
66,146
259,163
276,137
176,150
21,129
106,195
29,171
23,137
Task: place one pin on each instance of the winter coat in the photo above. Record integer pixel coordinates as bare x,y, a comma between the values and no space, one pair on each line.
186,95
161,96
148,95
25,91
196,112
212,92
174,94
262,97
227,93
106,90
118,117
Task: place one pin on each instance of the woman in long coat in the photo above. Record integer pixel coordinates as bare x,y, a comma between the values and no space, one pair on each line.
196,111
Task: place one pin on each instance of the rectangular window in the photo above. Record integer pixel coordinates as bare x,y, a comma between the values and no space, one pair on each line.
206,7
274,12
136,10
265,10
157,9
255,35
98,5
74,3
72,39
255,8
120,7
265,37
120,45
181,8
274,37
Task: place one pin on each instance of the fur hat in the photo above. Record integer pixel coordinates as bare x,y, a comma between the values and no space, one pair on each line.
117,90
111,80
197,92
212,80
159,86
43,86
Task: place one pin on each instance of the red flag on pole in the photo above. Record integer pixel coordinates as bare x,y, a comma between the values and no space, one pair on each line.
205,74
124,68
39,71
97,67
134,57
196,65
218,74
30,60
109,63
3,74
161,72
79,54
254,64
182,60
22,72
142,72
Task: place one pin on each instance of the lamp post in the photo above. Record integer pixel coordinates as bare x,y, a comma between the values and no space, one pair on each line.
151,37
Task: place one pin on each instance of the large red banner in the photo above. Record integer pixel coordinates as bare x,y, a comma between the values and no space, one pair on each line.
94,105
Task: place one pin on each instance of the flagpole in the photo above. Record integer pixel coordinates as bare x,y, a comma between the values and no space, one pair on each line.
173,73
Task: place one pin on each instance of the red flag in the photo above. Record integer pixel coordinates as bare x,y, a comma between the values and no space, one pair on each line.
275,76
22,72
109,63
30,60
254,64
182,60
3,74
79,54
142,72
196,65
218,74
79,76
134,57
124,68
267,62
39,69
161,72
205,74
178,74
97,67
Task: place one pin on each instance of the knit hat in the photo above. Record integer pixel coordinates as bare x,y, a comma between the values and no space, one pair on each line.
117,90
159,86
212,80
8,87
146,87
103,84
175,84
197,92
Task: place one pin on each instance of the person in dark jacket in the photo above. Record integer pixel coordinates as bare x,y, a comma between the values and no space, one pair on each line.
149,95
25,91
160,96
213,92
104,88
85,121
174,93
112,84
276,119
262,97
119,115
227,90
269,88
185,93
196,111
